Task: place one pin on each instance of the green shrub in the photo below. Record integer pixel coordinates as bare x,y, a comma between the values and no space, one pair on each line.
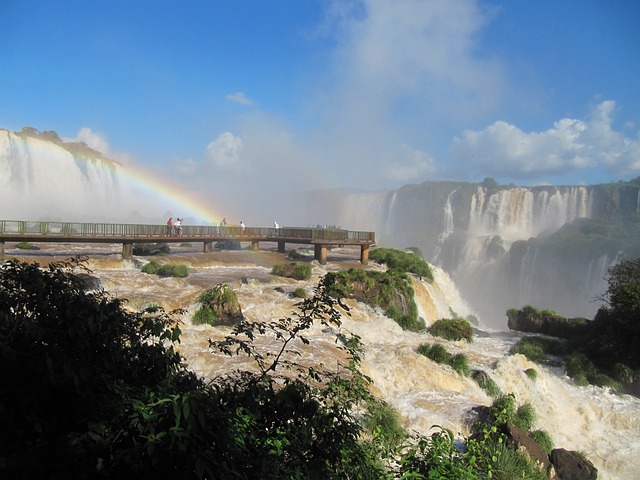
511,464
525,416
300,293
578,365
204,315
166,270
536,348
180,271
532,373
543,438
390,291
295,270
438,457
435,352
151,268
383,420
439,354
411,323
460,364
452,329
302,271
503,409
486,383
402,261
26,246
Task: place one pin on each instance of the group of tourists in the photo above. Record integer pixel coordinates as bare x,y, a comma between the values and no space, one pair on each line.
174,228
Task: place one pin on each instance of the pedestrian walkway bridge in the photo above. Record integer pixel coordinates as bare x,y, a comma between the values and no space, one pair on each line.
130,234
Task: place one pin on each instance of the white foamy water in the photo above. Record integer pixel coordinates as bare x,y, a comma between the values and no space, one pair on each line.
604,426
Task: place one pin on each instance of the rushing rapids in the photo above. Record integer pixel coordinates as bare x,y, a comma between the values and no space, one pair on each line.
606,427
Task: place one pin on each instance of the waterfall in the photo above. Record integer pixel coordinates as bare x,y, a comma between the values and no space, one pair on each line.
520,213
40,179
502,246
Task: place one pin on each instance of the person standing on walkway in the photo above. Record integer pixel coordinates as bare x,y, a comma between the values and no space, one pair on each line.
169,226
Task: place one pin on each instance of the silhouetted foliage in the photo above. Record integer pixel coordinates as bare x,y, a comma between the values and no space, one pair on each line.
92,390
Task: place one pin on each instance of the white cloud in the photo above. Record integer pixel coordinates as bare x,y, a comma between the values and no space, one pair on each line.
239,97
98,141
95,140
225,151
503,149
403,72
424,50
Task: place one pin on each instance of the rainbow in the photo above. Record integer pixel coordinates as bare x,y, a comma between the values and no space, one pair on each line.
176,198
158,194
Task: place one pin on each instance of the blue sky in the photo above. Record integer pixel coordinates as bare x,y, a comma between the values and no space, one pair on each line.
221,95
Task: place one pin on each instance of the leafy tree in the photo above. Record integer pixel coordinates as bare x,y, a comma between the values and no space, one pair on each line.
615,334
92,390
77,370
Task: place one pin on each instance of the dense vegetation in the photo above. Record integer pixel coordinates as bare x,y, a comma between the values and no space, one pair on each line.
26,246
166,269
402,261
216,306
91,390
389,290
606,351
452,329
295,270
439,354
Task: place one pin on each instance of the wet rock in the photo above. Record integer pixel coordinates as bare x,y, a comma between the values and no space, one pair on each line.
522,440
223,302
146,249
89,282
530,320
570,465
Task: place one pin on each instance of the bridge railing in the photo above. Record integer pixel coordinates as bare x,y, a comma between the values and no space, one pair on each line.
22,227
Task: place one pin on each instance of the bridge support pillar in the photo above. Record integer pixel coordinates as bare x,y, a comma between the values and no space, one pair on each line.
207,247
127,250
320,254
1,251
254,245
364,254
281,246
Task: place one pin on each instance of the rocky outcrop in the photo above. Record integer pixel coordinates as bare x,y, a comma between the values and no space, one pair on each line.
522,440
89,282
546,322
146,249
223,302
570,465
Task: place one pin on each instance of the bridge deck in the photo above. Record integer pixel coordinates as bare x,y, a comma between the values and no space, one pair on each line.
128,234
